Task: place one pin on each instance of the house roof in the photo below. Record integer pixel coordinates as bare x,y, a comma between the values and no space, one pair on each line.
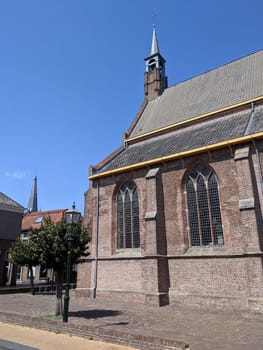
8,202
227,85
34,220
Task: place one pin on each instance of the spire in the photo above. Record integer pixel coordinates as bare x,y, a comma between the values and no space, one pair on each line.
155,80
155,47
32,203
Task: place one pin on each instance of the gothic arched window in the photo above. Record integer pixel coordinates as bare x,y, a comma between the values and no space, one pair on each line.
203,207
128,227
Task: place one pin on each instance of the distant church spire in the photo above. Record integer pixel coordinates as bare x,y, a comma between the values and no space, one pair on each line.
155,80
32,203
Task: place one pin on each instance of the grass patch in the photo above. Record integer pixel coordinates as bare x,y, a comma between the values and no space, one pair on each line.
56,331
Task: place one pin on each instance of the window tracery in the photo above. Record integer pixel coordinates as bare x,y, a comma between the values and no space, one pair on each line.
128,226
204,207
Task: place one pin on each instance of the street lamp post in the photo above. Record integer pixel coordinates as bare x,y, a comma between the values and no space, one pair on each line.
72,217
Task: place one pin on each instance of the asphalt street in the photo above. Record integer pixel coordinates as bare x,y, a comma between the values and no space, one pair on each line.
8,345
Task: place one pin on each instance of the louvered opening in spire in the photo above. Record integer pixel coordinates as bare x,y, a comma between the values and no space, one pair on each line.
155,80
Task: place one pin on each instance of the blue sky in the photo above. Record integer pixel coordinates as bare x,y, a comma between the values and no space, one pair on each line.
71,78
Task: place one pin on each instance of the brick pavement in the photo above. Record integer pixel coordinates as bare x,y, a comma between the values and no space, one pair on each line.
203,330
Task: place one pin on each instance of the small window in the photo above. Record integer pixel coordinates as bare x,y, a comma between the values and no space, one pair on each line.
39,219
24,236
43,272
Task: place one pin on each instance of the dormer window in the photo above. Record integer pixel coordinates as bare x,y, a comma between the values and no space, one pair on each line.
39,219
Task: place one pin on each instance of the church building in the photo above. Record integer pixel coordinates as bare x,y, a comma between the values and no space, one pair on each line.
176,212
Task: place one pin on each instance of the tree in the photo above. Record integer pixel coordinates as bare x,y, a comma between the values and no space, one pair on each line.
53,242
26,253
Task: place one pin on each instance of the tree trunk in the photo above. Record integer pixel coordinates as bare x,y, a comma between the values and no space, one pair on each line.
31,280
59,292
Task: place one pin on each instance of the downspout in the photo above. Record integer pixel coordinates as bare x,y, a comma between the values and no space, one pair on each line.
96,242
259,165
257,153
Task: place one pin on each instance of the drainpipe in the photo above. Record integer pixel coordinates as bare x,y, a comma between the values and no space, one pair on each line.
259,165
257,152
96,243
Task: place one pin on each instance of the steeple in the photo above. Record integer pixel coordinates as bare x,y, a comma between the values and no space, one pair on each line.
32,203
155,47
155,80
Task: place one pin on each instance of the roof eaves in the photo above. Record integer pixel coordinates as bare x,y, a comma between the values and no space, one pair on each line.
188,153
136,119
192,119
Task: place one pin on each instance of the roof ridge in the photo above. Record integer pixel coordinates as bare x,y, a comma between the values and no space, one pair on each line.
214,69
11,200
35,213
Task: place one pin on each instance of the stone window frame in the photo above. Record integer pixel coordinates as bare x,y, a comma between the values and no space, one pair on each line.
128,216
203,206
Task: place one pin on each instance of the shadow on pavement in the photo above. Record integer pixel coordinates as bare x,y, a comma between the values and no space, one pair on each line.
96,313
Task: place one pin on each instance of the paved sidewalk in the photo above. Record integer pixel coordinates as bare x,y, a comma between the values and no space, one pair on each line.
203,330
23,338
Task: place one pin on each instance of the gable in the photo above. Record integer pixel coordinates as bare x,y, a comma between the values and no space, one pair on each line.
7,203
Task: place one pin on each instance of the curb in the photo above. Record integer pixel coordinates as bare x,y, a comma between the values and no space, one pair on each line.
114,336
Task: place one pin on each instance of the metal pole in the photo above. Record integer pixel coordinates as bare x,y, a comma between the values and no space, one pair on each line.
66,296
97,242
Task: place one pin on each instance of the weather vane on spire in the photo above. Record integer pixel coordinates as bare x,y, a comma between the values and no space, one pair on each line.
154,18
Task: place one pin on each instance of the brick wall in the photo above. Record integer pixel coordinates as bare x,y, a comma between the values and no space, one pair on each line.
120,275
205,281
228,275
152,84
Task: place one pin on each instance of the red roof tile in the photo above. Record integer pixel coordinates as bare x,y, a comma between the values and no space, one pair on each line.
29,220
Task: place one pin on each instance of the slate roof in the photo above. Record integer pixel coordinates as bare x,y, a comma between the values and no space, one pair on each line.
29,220
230,84
7,201
213,131
226,86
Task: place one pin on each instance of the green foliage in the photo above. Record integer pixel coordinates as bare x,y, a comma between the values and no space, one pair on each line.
25,252
54,241
49,245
